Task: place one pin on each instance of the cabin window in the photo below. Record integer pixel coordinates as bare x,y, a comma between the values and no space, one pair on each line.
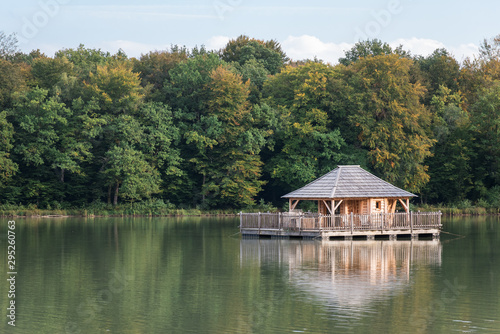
378,205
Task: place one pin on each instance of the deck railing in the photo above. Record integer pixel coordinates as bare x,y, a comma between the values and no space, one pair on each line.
350,222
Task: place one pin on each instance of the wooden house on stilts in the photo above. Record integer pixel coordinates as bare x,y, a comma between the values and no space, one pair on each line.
351,203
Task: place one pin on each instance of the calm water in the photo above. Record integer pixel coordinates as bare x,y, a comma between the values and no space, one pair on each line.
196,275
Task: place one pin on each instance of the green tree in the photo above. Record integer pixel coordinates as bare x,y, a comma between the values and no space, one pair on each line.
308,143
7,167
234,166
184,90
160,145
486,128
51,72
439,69
154,67
256,74
213,115
13,79
117,121
244,49
116,88
371,47
480,73
450,166
392,123
87,60
131,176
43,132
49,143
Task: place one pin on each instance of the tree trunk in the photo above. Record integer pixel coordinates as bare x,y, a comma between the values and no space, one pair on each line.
203,190
115,200
109,194
62,175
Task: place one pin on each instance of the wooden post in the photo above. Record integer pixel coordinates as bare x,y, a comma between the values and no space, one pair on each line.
279,220
381,223
352,222
241,220
258,222
411,222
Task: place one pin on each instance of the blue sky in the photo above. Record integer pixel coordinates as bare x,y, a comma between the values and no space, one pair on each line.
305,29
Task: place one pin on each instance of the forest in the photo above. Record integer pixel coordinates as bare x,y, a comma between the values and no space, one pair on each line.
241,126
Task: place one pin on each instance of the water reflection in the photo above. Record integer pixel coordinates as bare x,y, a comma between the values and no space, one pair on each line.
345,274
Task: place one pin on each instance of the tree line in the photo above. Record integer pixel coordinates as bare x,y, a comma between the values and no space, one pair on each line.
244,124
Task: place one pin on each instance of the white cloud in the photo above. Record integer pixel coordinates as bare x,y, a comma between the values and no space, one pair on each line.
464,51
418,46
217,42
308,47
424,47
132,49
300,47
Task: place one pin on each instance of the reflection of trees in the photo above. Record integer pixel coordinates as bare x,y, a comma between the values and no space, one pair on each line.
350,273
131,275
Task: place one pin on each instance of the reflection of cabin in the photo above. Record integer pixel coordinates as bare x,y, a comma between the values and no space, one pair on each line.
349,189
346,273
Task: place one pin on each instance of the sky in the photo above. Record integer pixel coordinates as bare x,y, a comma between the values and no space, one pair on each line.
305,29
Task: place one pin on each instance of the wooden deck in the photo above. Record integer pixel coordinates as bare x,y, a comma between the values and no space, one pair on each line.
369,226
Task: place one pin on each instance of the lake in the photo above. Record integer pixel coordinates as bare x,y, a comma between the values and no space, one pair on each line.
197,275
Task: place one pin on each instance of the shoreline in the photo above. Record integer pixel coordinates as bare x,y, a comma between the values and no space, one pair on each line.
48,215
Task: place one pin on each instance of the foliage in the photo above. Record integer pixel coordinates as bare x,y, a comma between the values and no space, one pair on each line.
13,79
154,67
393,124
439,69
244,49
115,88
49,72
218,133
127,170
486,126
7,167
373,47
229,129
8,45
450,169
308,143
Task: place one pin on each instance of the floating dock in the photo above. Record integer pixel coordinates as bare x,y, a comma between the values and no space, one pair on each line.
391,226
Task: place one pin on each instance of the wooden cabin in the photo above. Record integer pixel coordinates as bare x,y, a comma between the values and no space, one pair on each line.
349,189
351,203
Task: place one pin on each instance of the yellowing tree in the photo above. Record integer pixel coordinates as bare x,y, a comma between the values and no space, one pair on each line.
116,88
393,123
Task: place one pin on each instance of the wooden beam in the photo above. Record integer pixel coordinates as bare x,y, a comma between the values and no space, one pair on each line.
328,207
406,205
393,204
338,204
293,205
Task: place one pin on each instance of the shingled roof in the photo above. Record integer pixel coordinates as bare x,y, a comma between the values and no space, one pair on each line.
349,182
